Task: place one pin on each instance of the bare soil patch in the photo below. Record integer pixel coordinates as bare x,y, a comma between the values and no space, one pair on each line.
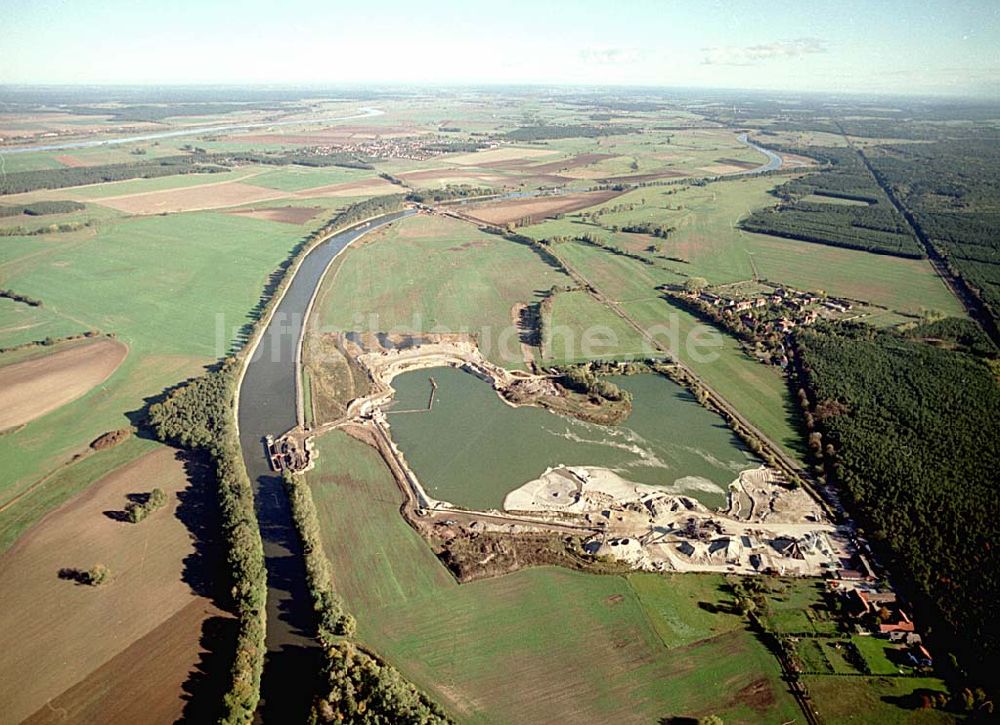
636,178
758,695
537,208
163,677
32,388
284,214
55,633
504,153
737,163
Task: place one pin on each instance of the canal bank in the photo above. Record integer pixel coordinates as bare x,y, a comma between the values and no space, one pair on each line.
267,405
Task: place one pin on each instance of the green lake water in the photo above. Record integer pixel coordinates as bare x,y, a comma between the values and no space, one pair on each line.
472,449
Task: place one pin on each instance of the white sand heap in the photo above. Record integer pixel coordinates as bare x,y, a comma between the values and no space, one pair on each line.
580,489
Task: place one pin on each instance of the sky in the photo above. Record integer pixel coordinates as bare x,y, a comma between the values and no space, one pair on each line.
879,46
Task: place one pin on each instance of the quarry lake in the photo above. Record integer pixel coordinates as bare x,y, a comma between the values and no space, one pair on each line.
471,449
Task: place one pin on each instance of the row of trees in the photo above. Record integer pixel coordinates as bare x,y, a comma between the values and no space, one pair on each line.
18,297
199,415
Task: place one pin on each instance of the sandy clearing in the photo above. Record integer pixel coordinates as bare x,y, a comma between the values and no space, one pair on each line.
284,214
32,388
538,207
53,632
505,153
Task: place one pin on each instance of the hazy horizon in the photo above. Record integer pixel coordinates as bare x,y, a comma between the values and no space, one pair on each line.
903,47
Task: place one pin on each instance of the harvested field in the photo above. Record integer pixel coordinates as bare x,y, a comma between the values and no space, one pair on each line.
538,208
205,196
554,167
284,214
722,169
368,187
32,388
638,178
506,153
56,633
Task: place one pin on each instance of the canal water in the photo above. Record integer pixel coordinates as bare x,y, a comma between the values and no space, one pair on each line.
471,449
267,407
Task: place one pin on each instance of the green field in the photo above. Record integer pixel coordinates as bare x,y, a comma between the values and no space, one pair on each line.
581,328
436,274
796,606
541,644
705,235
155,283
863,700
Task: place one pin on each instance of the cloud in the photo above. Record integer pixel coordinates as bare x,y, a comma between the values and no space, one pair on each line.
611,56
754,54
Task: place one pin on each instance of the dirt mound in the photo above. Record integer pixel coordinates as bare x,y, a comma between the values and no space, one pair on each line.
32,388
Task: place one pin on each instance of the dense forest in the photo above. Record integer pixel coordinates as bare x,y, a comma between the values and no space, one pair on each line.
909,432
872,224
952,190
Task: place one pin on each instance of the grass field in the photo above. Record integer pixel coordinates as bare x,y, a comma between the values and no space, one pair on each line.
435,274
705,234
541,644
796,606
155,282
580,328
862,700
